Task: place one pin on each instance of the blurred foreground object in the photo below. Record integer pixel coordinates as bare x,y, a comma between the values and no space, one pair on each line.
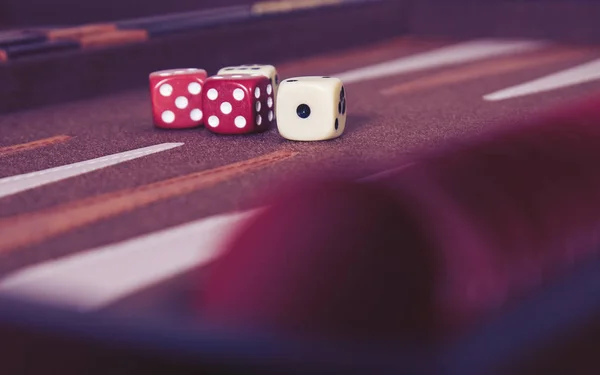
426,252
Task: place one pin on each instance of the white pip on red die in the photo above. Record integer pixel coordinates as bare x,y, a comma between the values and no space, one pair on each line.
238,104
177,98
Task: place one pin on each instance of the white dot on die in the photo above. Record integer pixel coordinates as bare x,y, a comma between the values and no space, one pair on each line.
257,92
269,89
270,115
238,94
217,77
213,121
196,114
258,120
181,102
168,117
240,121
236,76
226,108
166,89
258,106
194,88
270,102
212,94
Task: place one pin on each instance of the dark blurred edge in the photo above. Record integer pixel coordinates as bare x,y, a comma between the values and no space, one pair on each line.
45,340
555,330
568,21
573,352
266,39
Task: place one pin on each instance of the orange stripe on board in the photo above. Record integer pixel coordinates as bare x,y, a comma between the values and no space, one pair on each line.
488,68
9,150
279,6
80,31
113,38
33,228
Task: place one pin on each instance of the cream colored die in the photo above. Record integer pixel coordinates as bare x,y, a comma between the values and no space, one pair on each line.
311,108
268,71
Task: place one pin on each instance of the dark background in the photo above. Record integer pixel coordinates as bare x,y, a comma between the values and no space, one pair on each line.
17,13
564,20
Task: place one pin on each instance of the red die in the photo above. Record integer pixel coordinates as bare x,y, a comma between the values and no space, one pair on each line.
176,98
238,104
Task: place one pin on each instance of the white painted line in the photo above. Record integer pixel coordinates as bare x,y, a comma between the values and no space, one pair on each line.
16,184
580,74
98,277
451,55
386,173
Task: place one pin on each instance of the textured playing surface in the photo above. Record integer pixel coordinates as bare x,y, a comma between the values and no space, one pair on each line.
160,190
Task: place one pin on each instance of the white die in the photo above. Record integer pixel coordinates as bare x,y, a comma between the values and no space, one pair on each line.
311,108
268,71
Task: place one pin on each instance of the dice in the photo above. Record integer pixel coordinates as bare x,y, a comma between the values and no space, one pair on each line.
238,104
268,71
176,96
311,108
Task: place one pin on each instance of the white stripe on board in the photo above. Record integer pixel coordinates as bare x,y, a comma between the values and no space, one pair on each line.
450,55
386,173
570,77
16,184
98,277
